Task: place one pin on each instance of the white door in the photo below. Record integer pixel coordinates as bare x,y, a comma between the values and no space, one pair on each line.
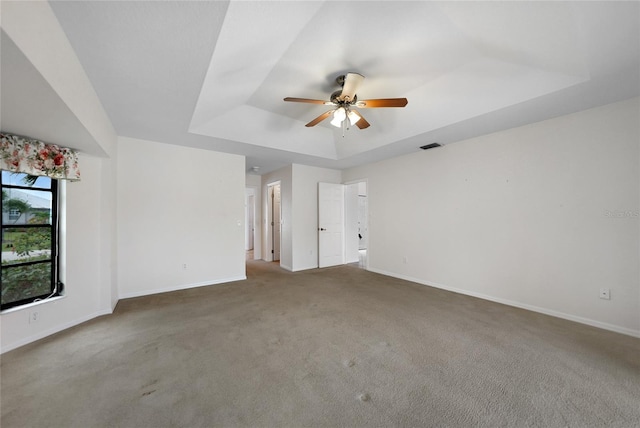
330,224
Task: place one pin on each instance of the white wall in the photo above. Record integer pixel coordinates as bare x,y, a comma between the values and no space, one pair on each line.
109,229
305,212
87,273
284,176
90,229
178,206
36,31
522,217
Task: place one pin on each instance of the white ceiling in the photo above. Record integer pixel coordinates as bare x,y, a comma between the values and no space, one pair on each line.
30,107
212,74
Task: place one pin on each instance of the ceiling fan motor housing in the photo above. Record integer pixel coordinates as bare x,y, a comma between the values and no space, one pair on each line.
334,98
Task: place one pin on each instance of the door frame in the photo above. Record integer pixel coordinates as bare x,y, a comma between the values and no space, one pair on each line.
270,222
251,219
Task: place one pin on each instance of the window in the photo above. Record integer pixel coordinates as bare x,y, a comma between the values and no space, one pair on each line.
29,239
14,214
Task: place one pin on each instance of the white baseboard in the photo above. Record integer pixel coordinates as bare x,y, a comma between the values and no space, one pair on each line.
179,287
53,330
557,314
306,268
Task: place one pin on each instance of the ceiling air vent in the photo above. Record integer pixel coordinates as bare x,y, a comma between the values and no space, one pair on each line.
430,146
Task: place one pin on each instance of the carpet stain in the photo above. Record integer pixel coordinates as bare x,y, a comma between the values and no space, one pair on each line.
349,363
148,392
364,397
149,347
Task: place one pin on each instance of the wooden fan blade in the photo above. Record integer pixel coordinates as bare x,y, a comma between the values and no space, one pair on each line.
351,83
307,100
362,123
382,102
320,118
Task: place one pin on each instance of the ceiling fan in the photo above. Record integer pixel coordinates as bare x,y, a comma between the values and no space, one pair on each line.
344,102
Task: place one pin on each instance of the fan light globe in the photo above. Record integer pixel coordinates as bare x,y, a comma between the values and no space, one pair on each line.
338,116
353,118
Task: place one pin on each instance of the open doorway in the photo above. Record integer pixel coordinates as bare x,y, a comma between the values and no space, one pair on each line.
274,221
250,222
356,223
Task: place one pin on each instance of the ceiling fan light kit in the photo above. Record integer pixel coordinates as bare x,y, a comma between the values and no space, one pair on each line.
353,117
339,115
345,100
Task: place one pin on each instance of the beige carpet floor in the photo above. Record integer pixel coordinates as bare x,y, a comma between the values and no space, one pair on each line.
337,347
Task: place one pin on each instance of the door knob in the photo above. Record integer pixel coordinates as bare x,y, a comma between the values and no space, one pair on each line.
322,228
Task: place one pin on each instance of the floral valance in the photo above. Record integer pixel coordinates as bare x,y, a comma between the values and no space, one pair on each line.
33,157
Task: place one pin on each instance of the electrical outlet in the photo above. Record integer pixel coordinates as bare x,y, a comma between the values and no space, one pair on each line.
34,317
404,260
605,294
184,266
